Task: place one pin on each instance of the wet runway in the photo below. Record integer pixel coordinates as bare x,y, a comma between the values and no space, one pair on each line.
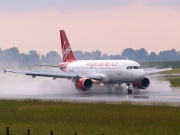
138,97
24,87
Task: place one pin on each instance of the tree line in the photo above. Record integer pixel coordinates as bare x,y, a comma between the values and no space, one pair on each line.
13,56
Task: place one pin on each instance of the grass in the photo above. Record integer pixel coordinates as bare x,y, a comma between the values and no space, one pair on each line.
174,80
87,118
173,71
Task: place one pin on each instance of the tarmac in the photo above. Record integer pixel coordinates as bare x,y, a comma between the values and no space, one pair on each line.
144,98
24,87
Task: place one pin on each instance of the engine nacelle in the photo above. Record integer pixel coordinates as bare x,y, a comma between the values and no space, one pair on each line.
143,84
83,83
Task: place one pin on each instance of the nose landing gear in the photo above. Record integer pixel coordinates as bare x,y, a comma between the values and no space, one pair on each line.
129,90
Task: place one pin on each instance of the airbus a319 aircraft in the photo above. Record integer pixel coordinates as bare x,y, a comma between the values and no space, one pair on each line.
84,73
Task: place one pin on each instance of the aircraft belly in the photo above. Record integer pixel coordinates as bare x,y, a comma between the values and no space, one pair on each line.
128,77
106,80
114,77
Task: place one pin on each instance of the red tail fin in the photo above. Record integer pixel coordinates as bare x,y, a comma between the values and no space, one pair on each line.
67,53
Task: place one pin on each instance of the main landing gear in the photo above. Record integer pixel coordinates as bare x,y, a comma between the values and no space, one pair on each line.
129,90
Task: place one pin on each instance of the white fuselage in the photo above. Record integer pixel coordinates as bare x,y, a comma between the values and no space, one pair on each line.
112,71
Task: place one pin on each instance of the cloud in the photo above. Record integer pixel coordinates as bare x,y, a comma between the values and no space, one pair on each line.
22,5
109,30
163,3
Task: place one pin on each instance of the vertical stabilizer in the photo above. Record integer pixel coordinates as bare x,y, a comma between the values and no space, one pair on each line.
67,53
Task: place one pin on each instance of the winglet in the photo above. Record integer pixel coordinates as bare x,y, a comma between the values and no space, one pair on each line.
7,71
4,71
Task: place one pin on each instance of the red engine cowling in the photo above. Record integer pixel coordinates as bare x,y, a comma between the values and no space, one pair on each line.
83,83
143,84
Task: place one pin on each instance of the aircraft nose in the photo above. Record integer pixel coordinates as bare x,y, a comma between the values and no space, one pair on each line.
142,74
138,76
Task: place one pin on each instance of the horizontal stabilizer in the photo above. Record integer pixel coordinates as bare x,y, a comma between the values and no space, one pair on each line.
45,65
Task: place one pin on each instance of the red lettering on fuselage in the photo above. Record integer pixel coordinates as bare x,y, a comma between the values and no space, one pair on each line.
91,64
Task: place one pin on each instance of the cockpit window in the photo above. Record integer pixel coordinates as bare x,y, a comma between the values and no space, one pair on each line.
134,67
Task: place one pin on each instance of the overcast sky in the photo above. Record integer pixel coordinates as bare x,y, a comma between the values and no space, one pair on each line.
106,25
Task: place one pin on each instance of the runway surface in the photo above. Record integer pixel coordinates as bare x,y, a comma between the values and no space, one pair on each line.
24,87
138,97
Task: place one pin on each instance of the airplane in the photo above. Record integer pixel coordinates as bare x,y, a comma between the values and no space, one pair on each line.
85,73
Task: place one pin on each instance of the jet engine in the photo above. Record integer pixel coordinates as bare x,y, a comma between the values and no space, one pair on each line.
83,83
143,84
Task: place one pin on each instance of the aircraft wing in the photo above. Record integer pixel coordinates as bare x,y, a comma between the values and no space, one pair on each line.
150,71
55,74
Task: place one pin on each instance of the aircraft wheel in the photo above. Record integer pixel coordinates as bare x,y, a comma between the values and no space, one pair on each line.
130,91
127,91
